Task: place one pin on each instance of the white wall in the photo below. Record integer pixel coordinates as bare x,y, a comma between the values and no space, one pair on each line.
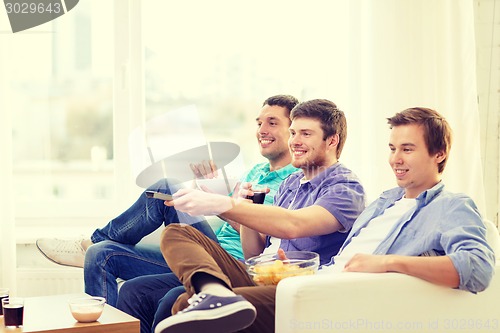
7,243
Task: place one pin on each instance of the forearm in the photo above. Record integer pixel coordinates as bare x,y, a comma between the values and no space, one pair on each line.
236,226
284,223
438,270
270,220
252,242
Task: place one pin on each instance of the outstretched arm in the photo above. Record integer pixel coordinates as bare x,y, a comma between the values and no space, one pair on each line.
270,220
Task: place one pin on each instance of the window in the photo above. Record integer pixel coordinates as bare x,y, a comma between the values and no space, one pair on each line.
60,90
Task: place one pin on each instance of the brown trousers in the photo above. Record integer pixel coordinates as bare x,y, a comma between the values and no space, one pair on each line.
188,251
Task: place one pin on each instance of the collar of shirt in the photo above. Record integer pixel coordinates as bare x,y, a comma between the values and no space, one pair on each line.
316,181
284,172
264,169
423,198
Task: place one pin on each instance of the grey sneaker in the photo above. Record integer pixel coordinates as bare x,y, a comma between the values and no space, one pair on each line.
210,313
62,252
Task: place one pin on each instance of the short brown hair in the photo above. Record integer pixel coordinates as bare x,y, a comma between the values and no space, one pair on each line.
286,101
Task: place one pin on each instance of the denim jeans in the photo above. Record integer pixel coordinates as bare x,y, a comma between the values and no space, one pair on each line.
150,298
166,304
116,254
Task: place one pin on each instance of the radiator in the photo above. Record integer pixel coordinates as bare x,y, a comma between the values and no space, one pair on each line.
33,282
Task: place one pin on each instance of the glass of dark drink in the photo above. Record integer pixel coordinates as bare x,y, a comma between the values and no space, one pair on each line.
13,312
259,194
4,293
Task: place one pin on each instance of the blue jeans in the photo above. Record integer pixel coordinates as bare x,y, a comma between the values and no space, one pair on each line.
150,298
116,254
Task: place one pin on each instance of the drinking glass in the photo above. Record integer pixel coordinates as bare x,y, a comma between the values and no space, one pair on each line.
4,293
13,312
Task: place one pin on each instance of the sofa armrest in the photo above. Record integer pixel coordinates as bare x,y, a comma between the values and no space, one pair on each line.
389,302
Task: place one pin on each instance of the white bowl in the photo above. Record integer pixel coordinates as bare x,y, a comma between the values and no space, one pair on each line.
87,309
217,185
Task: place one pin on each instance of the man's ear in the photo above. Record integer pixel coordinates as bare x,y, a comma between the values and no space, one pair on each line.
333,141
440,156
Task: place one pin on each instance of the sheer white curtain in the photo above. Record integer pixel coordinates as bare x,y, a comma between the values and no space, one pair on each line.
7,241
412,53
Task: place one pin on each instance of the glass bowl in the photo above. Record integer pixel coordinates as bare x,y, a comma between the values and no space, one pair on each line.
268,269
87,309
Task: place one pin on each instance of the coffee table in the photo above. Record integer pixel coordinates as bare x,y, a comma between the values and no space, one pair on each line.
50,314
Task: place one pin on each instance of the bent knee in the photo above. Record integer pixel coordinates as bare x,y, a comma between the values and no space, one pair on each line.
173,232
99,251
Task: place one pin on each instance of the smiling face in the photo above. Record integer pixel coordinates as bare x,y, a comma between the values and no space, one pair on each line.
310,152
415,169
272,135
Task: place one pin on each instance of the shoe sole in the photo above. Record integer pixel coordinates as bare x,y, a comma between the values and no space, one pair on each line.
55,262
230,318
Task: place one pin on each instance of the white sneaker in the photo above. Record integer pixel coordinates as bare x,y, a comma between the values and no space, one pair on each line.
62,252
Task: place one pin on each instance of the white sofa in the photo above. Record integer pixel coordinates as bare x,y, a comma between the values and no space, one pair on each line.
389,302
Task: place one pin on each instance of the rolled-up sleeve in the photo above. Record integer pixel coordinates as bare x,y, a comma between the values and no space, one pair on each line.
466,245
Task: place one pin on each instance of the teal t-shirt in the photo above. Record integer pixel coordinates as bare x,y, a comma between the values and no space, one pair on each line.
229,238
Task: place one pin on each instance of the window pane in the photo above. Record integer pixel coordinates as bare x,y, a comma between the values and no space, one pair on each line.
61,91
